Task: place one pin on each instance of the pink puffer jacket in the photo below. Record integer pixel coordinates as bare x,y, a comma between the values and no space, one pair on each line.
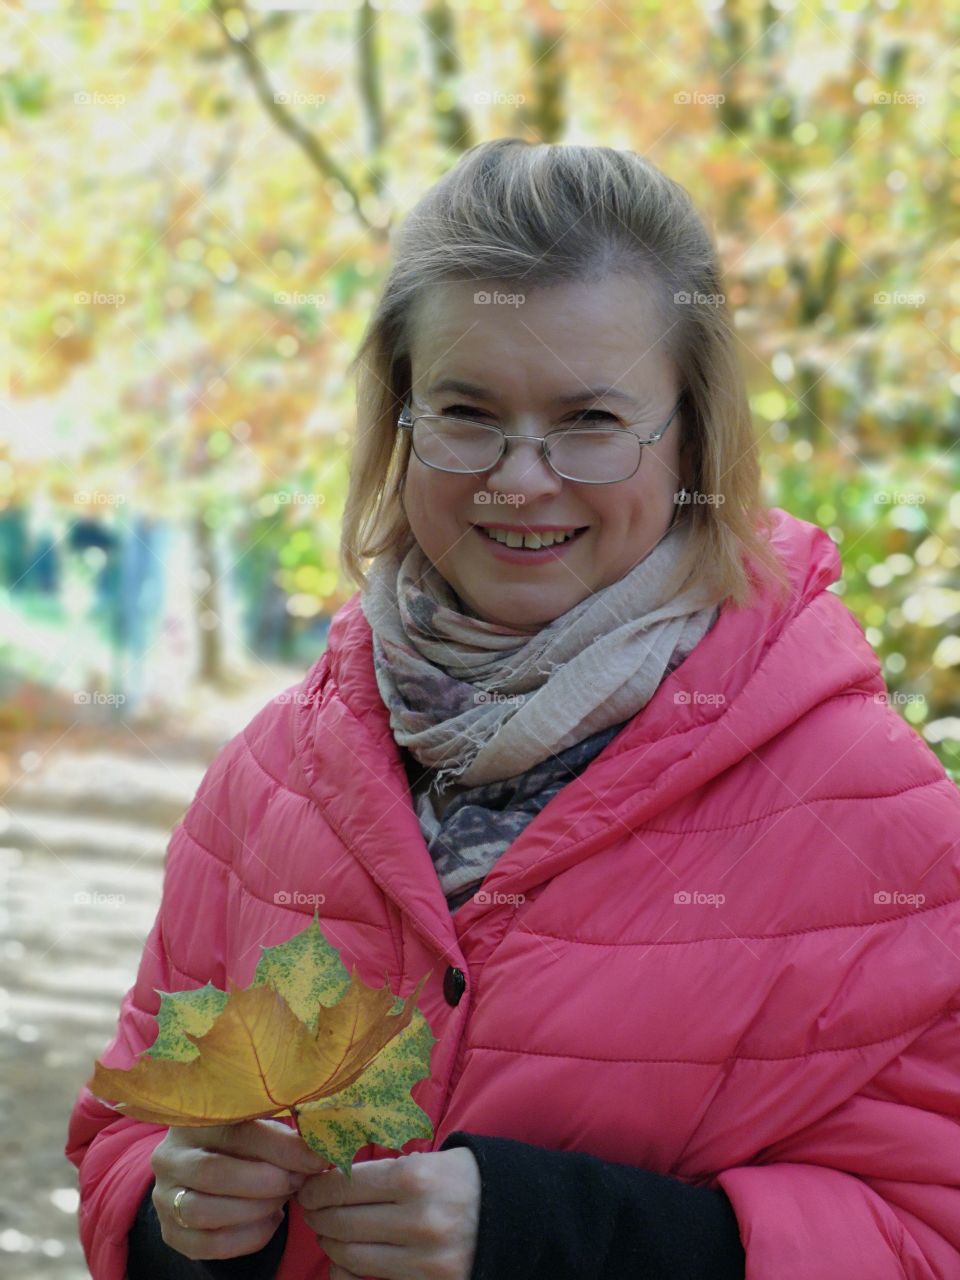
729,951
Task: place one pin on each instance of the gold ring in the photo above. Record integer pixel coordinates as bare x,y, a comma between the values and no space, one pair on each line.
176,1207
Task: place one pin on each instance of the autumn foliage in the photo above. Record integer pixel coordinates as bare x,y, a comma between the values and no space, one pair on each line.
305,1037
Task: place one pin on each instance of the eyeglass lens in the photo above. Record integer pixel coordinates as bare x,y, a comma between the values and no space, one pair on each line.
592,453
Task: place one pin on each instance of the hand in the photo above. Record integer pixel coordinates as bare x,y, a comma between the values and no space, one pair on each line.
409,1217
238,1178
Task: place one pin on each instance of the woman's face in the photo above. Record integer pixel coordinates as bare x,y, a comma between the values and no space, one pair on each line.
557,342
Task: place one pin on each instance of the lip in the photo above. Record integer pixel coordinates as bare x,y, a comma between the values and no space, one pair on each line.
527,528
517,555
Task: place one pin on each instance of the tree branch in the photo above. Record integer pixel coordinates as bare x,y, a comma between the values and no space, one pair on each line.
367,20
309,144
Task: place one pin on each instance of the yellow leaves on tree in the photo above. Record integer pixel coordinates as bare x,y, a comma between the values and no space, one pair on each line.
305,1037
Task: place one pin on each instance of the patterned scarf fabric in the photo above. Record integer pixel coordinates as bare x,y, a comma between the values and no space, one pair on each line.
499,719
479,823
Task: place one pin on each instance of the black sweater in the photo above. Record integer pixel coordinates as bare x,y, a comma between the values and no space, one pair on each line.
544,1215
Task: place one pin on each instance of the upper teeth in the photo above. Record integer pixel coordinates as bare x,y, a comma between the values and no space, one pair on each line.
531,540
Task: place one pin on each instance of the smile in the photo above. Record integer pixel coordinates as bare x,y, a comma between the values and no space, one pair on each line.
518,539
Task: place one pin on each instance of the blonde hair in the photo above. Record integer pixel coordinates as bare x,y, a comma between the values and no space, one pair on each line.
511,210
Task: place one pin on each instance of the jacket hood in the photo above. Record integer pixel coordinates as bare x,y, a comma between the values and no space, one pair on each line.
757,671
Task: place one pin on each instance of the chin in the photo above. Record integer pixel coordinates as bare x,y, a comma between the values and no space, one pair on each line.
513,611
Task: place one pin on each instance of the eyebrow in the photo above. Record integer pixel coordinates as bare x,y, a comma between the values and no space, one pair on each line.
574,397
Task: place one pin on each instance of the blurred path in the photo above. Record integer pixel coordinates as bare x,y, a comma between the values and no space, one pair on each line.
83,833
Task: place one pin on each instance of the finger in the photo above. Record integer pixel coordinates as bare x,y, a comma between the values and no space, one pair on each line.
385,1181
231,1242
271,1140
383,1260
218,1174
203,1212
281,1144
341,1273
368,1223
278,1142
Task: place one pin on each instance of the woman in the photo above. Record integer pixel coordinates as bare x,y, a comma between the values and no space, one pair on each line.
687,886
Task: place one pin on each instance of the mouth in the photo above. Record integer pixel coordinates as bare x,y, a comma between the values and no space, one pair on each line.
531,544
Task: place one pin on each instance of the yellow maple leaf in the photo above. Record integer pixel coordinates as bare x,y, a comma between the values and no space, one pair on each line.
257,1057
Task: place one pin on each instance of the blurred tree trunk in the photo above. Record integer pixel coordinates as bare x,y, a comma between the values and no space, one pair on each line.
729,44
208,605
451,121
547,119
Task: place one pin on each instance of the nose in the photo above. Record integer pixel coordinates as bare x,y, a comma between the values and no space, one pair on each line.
523,470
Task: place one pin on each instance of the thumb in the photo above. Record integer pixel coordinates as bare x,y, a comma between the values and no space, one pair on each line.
284,1146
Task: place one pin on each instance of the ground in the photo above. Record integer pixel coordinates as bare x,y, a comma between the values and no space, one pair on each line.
85,816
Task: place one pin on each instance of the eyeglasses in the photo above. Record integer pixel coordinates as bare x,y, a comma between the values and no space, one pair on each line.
588,455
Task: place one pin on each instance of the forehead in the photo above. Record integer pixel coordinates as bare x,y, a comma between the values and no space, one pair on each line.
478,390
555,339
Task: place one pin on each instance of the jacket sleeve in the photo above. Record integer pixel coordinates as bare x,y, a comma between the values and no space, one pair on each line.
567,1215
112,1151
872,1188
149,1256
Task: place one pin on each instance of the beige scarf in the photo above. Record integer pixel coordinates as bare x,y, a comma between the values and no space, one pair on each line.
479,702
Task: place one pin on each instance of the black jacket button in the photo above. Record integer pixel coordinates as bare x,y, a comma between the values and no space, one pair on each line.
454,985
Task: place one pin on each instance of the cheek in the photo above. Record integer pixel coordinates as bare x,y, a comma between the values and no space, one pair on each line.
650,501
643,510
417,499
432,507
613,513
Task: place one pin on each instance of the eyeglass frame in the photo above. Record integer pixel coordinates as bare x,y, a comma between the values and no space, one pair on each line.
407,421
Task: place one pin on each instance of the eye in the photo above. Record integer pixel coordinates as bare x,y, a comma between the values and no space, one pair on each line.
460,411
463,410
602,413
